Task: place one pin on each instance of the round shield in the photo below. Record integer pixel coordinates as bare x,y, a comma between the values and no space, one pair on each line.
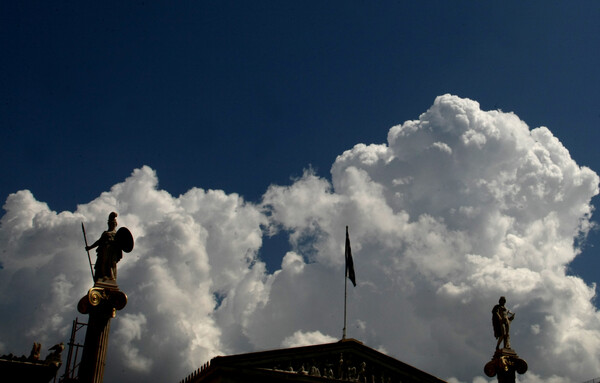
124,239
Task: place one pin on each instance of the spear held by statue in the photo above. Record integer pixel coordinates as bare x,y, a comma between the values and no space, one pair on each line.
87,251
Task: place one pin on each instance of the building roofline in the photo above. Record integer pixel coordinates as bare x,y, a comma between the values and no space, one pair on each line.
274,360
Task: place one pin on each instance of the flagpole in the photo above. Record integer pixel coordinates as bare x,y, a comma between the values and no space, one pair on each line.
345,286
345,299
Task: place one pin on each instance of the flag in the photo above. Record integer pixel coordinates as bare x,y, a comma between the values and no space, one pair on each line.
349,262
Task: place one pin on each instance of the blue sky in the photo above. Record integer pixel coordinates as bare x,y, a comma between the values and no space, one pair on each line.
235,96
238,96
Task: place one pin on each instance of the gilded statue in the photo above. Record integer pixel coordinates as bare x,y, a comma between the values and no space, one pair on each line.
110,249
501,319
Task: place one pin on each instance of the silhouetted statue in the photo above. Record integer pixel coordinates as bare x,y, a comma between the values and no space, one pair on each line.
501,319
505,363
108,252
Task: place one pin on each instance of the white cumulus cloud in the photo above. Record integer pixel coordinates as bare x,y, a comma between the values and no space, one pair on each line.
300,338
457,208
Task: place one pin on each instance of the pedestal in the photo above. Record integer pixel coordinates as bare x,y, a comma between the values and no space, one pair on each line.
101,303
504,364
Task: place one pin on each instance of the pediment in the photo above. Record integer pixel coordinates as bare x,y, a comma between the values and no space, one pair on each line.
346,360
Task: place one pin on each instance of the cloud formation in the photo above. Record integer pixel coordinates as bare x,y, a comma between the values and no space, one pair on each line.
458,208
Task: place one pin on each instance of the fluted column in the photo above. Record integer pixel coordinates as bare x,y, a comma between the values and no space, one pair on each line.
101,304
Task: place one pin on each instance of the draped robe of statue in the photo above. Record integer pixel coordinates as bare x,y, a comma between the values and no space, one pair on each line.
108,254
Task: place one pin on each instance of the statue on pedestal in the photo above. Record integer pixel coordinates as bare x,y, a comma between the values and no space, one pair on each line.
103,299
505,362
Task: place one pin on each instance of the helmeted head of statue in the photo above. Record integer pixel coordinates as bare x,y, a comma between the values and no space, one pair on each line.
502,301
112,220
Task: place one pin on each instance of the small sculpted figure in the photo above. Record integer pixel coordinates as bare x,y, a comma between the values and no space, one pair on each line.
302,371
501,319
108,252
35,351
56,355
329,373
314,370
362,373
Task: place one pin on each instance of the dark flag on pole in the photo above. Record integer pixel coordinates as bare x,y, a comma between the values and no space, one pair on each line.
349,274
349,262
